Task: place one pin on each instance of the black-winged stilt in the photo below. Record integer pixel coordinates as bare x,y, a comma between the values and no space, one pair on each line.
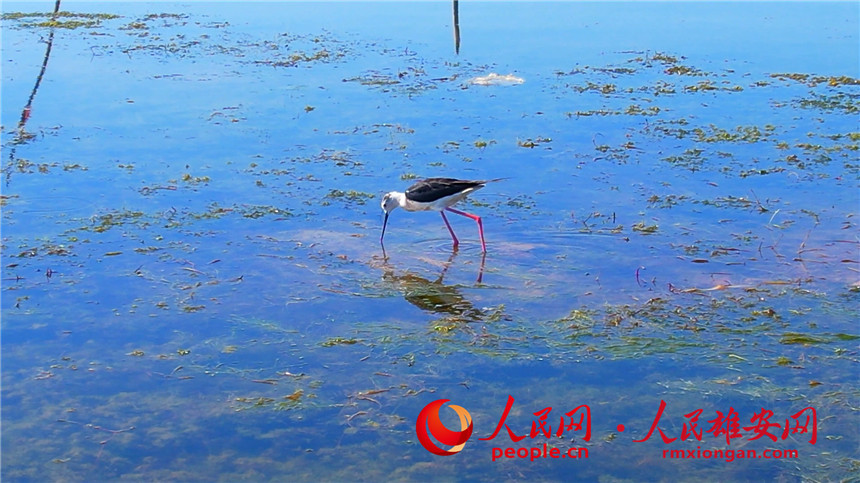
435,194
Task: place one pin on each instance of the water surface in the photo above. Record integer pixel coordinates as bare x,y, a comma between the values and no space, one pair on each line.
193,286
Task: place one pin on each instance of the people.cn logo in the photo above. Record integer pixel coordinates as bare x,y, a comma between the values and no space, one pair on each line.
428,422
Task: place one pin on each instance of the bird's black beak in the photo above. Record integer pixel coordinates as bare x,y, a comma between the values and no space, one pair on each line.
384,223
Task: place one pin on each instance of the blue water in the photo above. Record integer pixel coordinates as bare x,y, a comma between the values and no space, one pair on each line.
193,287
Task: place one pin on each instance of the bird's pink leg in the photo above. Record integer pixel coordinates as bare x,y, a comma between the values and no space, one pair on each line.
474,217
456,241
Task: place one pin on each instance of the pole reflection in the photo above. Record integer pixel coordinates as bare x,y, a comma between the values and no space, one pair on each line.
21,134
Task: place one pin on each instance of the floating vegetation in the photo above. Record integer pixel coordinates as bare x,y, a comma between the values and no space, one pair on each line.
46,249
4,199
177,46
187,178
599,112
797,338
284,403
333,341
612,71
690,159
677,69
350,196
636,110
644,228
299,58
533,143
732,201
411,81
259,211
668,201
22,165
604,89
103,223
523,202
374,79
652,326
746,134
338,158
815,80
844,102
702,86
61,19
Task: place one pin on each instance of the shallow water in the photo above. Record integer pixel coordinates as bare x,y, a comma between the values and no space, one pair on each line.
193,286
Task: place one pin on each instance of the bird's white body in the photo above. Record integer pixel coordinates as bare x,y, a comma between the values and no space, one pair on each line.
396,199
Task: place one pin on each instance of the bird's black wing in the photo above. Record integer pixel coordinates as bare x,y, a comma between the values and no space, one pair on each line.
432,189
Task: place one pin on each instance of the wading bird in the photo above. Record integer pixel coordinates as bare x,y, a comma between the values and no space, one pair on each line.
435,194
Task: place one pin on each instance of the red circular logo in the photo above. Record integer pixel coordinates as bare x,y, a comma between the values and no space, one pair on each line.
428,421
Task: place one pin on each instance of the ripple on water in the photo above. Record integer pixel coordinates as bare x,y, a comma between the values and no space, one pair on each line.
53,204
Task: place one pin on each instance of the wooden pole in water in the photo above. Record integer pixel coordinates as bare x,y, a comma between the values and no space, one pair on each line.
456,26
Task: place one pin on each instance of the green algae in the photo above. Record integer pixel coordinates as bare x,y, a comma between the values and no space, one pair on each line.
61,19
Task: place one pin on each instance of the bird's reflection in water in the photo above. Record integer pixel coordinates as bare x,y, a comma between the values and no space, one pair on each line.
433,295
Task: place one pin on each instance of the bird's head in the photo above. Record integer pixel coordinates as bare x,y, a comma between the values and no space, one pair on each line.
390,202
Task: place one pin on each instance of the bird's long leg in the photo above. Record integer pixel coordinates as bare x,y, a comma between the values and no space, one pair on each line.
456,241
481,271
474,217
